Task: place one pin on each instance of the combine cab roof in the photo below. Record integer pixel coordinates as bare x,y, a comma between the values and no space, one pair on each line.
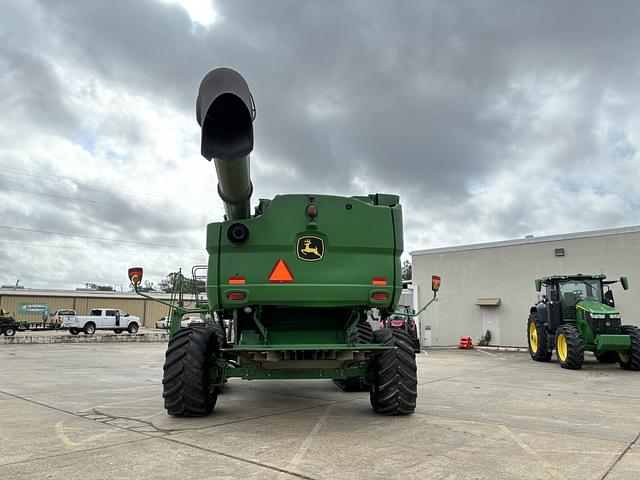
577,276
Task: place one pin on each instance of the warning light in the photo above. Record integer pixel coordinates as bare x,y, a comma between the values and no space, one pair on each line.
135,275
280,273
435,282
312,211
380,296
379,281
237,280
236,295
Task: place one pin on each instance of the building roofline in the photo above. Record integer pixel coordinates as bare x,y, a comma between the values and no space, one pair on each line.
529,240
106,294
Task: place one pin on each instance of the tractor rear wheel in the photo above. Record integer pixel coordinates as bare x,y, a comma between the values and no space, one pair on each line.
537,339
395,387
363,333
187,389
607,357
570,347
630,360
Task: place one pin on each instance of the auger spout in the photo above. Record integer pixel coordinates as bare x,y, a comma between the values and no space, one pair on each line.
225,112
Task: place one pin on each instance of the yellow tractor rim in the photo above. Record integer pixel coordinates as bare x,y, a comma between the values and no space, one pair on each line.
533,337
562,347
624,357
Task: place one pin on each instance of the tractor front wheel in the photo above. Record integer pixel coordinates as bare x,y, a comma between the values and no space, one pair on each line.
630,360
186,387
395,387
570,347
537,339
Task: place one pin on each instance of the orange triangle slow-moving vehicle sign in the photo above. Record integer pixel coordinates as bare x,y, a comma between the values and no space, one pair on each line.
281,273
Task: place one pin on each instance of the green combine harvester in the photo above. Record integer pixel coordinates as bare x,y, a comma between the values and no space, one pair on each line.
289,286
576,314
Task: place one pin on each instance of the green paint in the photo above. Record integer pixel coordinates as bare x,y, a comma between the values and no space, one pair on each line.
34,309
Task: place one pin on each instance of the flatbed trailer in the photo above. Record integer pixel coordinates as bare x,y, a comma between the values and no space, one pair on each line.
40,326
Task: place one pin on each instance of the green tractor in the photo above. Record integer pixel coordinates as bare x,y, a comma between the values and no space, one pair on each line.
577,313
288,286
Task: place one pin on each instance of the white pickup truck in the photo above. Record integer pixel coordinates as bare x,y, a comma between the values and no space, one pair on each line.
102,319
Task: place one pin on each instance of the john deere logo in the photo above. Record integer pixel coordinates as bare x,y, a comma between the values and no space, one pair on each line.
310,249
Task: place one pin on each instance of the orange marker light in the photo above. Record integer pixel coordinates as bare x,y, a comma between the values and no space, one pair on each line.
237,280
280,273
379,281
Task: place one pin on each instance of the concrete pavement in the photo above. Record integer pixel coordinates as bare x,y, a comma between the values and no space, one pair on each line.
94,411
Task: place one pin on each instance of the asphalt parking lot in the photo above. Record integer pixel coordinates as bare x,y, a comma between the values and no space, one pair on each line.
94,411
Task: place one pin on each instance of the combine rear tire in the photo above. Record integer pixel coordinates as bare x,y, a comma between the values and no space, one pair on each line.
395,387
187,389
363,333
538,340
631,359
607,357
570,347
221,335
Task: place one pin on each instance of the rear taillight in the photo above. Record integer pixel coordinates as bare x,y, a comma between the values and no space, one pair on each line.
236,296
379,296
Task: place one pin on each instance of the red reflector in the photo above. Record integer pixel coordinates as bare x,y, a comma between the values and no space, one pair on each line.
379,296
237,281
379,281
312,211
280,273
236,296
397,323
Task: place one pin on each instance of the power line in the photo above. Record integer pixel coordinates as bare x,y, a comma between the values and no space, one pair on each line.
83,185
73,247
62,197
21,229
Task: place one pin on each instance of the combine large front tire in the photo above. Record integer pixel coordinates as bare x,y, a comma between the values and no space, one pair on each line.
570,347
363,333
395,387
187,389
537,339
631,359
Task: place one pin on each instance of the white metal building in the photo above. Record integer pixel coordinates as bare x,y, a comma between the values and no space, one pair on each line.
490,286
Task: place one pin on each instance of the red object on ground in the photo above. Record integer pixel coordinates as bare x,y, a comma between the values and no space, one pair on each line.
466,343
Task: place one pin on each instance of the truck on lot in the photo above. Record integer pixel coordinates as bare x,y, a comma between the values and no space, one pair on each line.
294,280
101,319
576,314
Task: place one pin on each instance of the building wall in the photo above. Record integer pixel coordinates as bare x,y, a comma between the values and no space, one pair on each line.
508,272
148,311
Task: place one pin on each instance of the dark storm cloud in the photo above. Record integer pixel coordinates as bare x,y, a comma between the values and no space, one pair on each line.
413,79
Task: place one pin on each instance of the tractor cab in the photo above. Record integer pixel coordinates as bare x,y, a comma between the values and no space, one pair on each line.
567,293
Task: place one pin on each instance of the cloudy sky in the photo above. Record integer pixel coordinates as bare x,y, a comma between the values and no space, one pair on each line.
492,119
